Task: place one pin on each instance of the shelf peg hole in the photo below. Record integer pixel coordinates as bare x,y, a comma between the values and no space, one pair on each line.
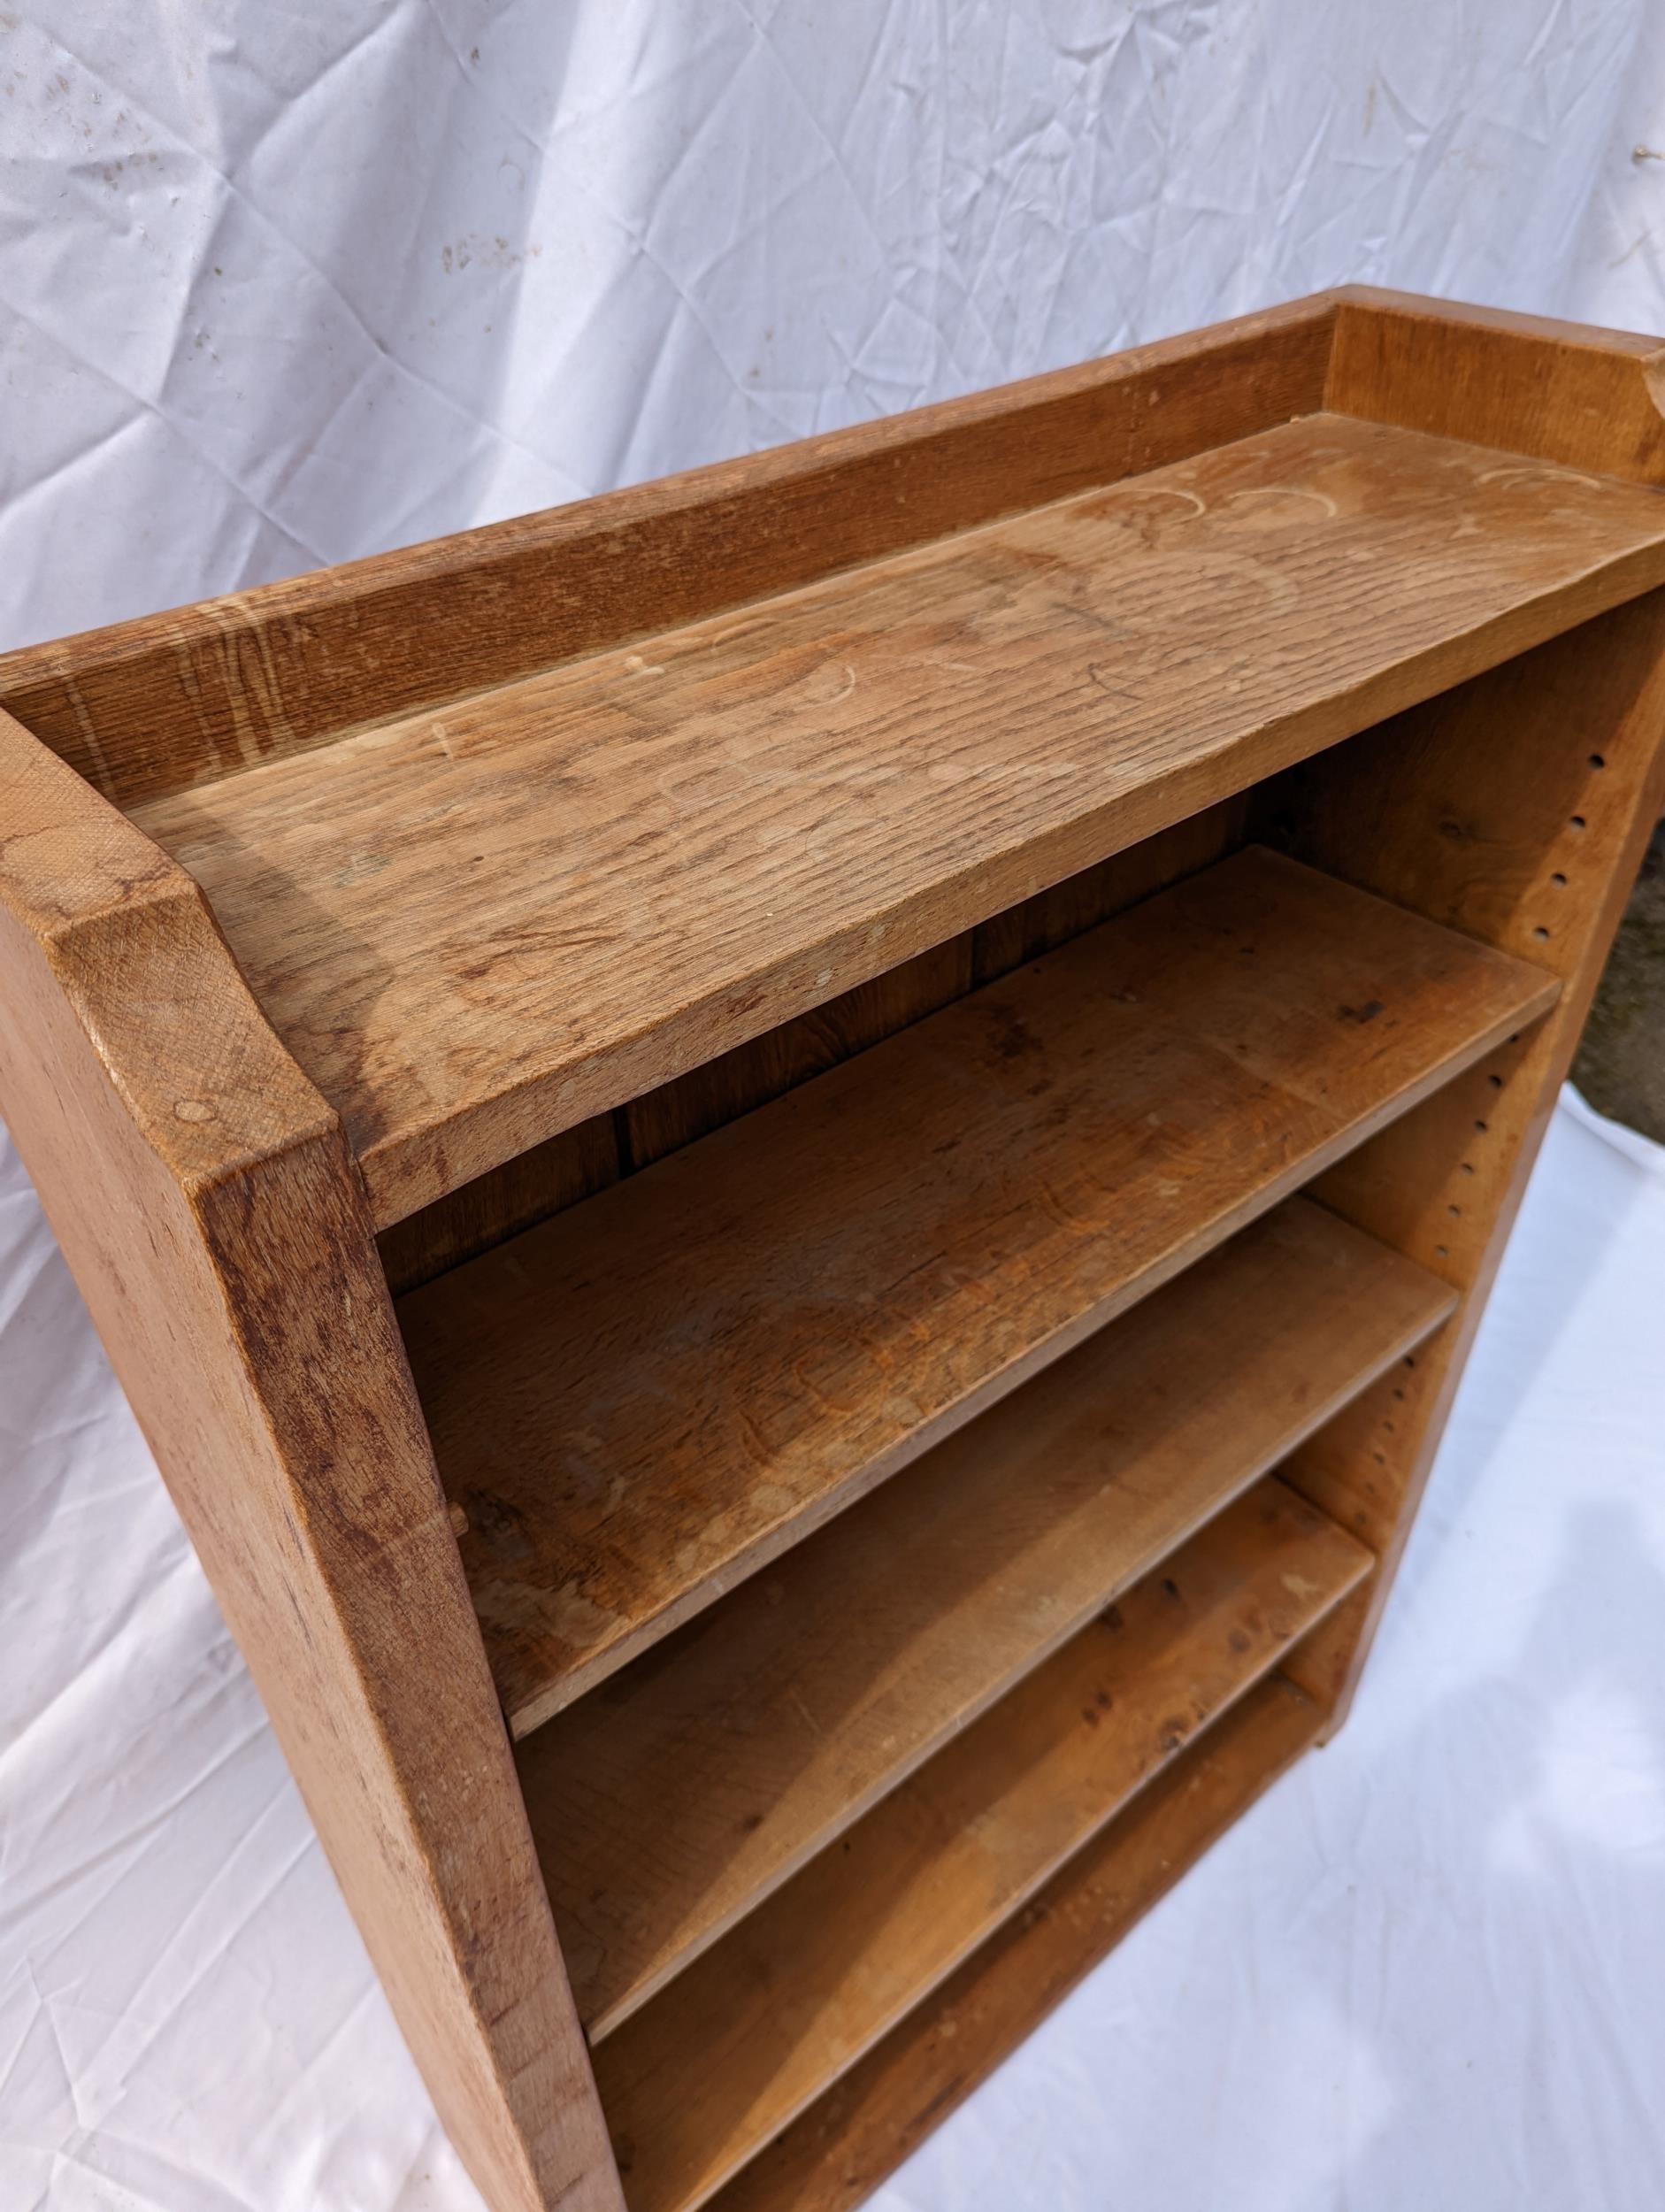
1468,1167
1597,761
1442,1251
1578,822
1559,880
1496,1082
1542,935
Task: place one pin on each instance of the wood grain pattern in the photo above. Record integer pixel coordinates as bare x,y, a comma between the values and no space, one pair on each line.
752,2032
764,1325
833,2156
779,1716
560,1173
185,697
582,1161
474,929
208,1207
1516,809
1561,392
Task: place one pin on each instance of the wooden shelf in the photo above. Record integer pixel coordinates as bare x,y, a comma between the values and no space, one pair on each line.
783,1713
754,2031
838,2151
476,925
762,1326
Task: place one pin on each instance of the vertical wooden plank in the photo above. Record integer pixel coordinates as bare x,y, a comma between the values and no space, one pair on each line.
206,1204
1566,392
1516,808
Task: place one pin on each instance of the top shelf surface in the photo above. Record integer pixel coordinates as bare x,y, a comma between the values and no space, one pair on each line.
475,926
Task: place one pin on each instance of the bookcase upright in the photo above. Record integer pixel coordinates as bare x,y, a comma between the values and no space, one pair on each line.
792,1169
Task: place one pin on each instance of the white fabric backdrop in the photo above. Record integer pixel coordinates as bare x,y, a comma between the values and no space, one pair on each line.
280,287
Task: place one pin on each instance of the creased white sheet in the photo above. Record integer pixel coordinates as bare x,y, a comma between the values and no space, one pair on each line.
281,286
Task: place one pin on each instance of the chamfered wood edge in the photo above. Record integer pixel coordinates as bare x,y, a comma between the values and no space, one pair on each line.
842,2148
205,1201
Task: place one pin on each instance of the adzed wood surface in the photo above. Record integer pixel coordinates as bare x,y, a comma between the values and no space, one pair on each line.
185,697
779,1716
476,927
208,1206
750,2034
642,1400
838,2151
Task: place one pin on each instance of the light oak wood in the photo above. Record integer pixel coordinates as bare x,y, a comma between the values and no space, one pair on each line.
582,1161
743,2040
766,1324
775,1720
185,697
840,2150
1583,398
204,1198
531,859
475,928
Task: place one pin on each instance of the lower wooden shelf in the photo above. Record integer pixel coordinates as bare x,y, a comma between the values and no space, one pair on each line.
838,2151
745,2039
779,1716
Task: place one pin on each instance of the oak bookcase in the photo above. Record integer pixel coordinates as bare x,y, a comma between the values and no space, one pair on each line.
792,1169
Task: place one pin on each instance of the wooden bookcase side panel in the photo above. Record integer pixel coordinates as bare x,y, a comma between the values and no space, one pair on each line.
575,1165
185,698
204,1200
1514,808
